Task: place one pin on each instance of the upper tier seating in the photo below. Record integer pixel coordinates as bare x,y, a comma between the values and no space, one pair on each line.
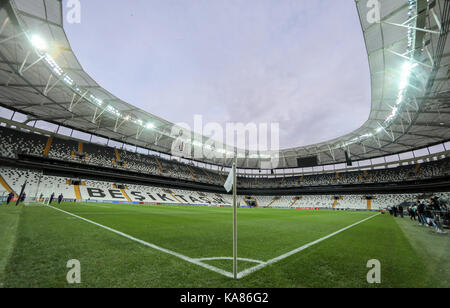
97,190
14,142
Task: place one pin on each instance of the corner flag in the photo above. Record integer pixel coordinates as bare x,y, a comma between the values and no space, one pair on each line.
230,181
20,196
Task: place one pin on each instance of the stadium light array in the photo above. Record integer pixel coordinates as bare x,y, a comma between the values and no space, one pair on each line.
41,46
404,81
406,73
38,42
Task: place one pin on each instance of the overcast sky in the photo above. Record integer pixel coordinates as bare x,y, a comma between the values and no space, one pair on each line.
297,62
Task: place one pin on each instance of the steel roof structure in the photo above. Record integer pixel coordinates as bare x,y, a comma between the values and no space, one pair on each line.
409,58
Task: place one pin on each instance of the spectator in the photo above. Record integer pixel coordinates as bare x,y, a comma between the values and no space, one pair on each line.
421,213
412,213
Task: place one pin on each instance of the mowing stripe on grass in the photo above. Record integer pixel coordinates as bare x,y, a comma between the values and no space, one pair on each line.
9,221
284,256
178,255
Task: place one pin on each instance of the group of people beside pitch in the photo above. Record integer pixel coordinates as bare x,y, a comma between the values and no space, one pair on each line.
52,197
433,212
12,197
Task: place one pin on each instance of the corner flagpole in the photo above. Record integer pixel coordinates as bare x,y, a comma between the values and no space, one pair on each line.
234,219
21,193
231,184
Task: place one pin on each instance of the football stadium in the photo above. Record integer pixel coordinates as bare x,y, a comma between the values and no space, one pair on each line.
99,192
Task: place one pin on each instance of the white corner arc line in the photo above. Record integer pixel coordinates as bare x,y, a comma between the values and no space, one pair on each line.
230,258
292,252
167,251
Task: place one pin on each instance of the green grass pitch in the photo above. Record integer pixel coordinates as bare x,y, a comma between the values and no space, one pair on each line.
37,242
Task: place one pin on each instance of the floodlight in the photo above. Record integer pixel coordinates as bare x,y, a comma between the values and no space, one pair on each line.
38,42
406,73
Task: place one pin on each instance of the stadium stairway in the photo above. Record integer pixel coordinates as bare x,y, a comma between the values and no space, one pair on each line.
207,175
160,167
271,202
369,204
124,193
48,146
172,195
335,204
191,172
116,151
6,186
293,203
77,192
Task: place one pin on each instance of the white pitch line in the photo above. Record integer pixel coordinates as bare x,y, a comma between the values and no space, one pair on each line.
284,256
210,267
178,255
230,258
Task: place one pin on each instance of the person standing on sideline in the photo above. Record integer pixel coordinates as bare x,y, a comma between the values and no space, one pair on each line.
60,197
51,198
400,210
412,213
421,213
9,199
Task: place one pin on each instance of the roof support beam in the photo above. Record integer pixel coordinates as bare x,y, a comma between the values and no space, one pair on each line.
73,116
118,125
73,104
96,117
419,135
332,152
44,85
412,28
375,149
139,131
436,19
47,88
11,37
23,63
409,59
31,105
4,25
23,70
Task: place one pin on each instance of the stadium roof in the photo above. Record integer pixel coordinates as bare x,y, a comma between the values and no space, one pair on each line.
409,61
